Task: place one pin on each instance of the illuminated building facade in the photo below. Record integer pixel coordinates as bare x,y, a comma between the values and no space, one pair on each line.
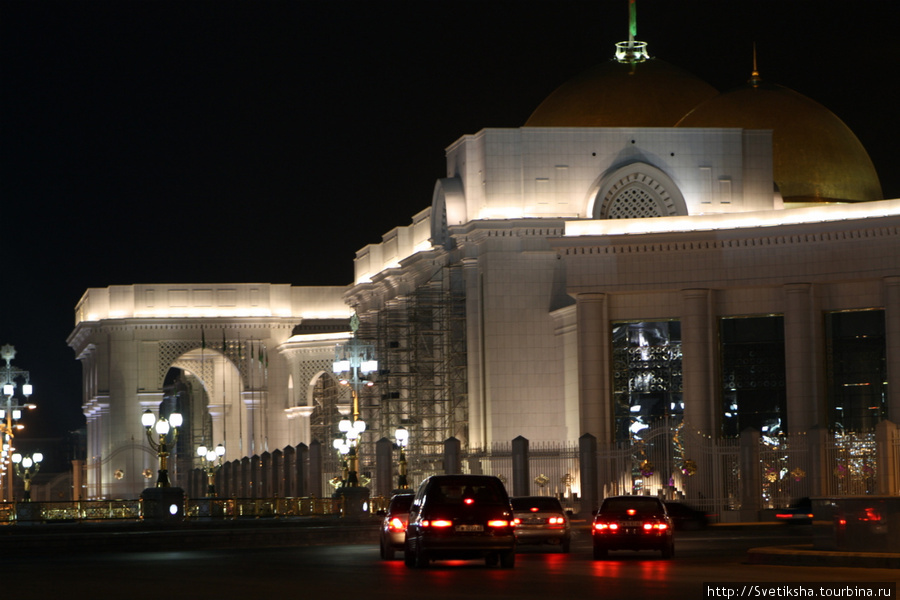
619,262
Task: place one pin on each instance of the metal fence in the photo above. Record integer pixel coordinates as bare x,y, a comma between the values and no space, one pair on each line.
99,511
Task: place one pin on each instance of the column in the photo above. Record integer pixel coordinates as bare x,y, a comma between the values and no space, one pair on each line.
803,336
594,392
698,343
892,343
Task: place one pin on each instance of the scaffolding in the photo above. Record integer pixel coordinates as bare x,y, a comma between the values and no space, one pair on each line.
421,345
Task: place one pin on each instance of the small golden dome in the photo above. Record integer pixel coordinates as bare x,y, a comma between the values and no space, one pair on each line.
816,158
648,93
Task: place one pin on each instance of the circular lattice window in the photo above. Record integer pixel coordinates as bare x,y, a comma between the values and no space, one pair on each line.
637,196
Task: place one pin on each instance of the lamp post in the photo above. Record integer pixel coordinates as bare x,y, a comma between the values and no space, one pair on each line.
402,437
211,461
26,468
163,428
354,364
11,412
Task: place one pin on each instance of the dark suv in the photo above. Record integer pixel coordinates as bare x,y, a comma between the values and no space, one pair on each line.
632,523
461,516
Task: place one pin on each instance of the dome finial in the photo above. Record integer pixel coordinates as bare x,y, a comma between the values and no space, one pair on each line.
755,79
632,51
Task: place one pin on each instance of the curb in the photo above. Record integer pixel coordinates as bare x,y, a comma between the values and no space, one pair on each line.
803,555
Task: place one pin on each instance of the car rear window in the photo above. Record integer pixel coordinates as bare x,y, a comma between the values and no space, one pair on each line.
538,502
401,503
638,503
457,491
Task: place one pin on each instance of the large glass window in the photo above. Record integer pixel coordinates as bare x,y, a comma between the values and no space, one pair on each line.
857,369
754,393
646,377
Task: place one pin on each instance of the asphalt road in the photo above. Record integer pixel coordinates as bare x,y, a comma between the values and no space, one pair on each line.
356,571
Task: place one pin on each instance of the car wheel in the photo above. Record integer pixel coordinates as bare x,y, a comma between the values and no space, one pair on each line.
409,558
508,559
600,553
421,559
564,548
387,552
668,550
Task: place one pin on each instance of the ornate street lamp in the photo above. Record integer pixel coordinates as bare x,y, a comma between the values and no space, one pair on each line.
26,468
11,411
354,364
402,437
211,460
164,428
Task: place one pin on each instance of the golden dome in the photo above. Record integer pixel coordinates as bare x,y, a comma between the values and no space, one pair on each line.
816,158
651,93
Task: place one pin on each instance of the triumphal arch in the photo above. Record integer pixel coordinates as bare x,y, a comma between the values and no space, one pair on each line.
247,365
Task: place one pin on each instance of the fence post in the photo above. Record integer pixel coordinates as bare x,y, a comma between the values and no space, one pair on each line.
265,476
590,490
887,449
751,484
315,469
819,465
452,465
521,478
299,474
384,467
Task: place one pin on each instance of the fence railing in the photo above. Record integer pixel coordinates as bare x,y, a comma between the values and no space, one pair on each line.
98,511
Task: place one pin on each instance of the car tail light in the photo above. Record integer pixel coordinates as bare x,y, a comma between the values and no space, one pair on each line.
498,523
469,501
437,523
556,520
396,524
516,521
606,526
650,527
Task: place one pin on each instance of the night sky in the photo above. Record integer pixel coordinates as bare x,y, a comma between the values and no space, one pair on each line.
213,142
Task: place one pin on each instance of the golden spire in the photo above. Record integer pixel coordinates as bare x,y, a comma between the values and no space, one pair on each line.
755,79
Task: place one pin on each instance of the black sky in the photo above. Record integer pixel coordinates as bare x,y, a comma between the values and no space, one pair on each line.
206,142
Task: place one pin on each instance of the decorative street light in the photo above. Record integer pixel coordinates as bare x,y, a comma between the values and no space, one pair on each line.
11,412
163,428
26,468
211,459
354,363
402,437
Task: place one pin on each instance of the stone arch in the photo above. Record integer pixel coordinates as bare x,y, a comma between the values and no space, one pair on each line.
637,190
448,208
212,391
326,410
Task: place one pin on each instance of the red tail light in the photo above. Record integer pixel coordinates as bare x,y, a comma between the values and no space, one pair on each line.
606,526
396,524
469,501
498,523
437,523
650,527
556,520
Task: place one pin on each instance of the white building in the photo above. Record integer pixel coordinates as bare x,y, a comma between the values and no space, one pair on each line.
643,251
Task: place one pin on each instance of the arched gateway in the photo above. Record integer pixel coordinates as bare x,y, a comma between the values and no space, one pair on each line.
248,365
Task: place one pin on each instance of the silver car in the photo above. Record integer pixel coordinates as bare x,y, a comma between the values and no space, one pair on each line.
393,526
541,520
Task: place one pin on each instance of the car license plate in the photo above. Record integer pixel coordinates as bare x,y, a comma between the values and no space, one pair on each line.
469,528
630,523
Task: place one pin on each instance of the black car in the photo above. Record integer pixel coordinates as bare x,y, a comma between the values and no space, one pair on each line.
686,517
461,516
798,513
632,523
